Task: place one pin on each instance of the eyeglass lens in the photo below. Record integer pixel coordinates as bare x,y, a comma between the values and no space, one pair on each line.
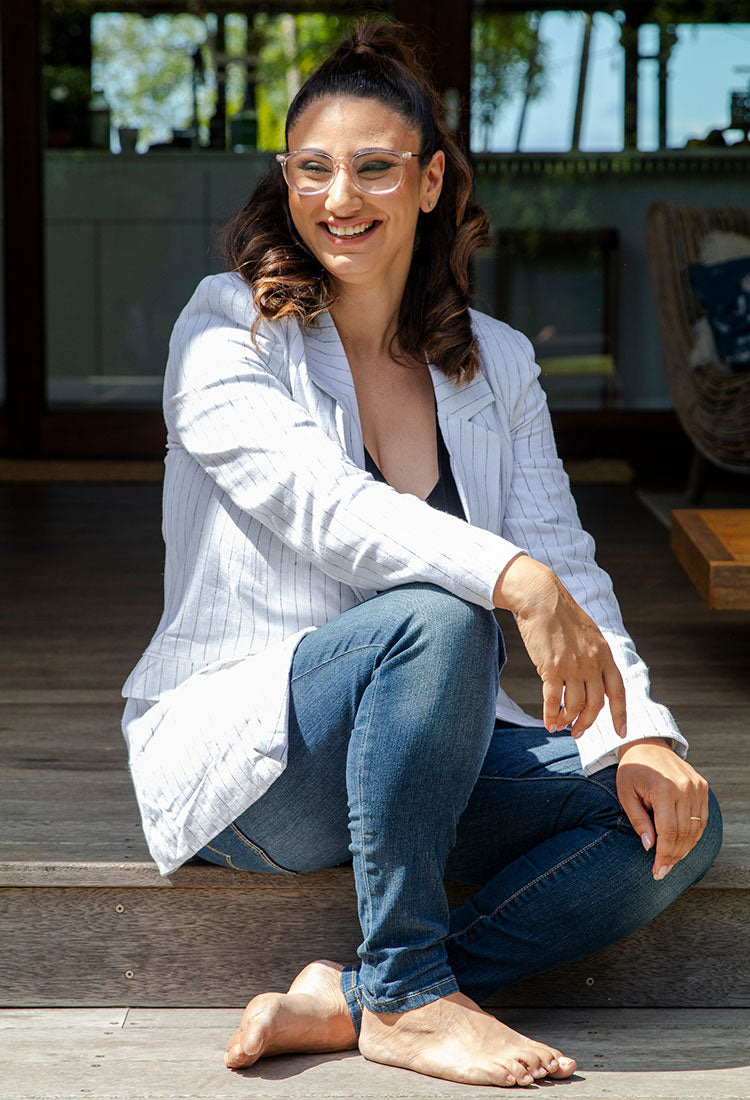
380,171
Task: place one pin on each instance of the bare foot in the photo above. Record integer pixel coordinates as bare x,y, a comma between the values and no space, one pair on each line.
454,1039
313,1016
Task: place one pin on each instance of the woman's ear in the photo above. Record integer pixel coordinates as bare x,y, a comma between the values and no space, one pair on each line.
432,182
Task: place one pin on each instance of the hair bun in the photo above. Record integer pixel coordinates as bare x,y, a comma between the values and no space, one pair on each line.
382,41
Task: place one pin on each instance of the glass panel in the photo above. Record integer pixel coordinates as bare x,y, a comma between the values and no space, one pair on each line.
579,122
157,126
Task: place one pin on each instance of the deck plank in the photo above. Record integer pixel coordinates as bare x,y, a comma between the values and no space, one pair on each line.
171,1054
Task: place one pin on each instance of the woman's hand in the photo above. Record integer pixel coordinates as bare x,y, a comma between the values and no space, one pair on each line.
652,780
571,656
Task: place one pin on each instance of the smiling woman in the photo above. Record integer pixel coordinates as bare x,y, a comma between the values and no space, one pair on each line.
352,106
360,469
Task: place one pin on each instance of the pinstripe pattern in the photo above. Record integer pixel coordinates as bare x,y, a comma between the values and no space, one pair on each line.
272,527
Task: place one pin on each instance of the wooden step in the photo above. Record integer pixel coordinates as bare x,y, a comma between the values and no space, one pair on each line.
173,1054
108,934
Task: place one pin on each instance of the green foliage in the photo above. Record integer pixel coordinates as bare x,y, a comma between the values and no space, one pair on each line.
502,47
292,48
145,66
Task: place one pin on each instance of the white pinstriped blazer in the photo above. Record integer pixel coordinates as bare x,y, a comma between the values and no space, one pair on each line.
273,526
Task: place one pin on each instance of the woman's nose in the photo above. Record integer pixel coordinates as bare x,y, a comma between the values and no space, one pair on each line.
342,192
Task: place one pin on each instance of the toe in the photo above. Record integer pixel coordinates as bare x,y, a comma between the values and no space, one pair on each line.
520,1072
565,1066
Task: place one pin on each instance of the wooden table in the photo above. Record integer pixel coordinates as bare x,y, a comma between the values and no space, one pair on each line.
713,545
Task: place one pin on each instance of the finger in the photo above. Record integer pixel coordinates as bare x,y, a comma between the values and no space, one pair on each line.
668,840
594,703
615,689
574,701
638,816
552,694
692,815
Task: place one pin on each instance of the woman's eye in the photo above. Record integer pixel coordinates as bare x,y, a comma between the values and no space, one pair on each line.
315,168
373,167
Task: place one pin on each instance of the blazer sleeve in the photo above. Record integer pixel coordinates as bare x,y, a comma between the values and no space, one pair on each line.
228,404
541,516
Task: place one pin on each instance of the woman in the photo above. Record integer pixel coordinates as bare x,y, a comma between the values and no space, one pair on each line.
359,470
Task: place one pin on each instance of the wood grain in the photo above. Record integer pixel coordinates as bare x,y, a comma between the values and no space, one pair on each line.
714,548
171,1054
214,947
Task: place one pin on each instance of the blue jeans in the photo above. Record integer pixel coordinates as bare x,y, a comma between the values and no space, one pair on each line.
397,762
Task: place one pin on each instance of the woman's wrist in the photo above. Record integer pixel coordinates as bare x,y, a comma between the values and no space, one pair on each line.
665,742
523,584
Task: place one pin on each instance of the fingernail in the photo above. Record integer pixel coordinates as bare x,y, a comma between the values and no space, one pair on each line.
662,873
624,730
646,841
553,728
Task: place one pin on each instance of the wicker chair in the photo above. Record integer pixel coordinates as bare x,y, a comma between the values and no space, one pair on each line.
712,405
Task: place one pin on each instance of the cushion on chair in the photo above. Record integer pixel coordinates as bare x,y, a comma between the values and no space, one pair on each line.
724,292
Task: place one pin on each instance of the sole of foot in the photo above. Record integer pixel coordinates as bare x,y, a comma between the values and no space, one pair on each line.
312,1017
453,1038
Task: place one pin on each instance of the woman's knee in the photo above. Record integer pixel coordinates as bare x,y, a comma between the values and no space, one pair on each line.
450,624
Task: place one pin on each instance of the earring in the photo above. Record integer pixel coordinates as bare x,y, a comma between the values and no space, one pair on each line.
430,204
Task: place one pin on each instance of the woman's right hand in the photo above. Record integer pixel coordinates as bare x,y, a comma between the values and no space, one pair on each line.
573,660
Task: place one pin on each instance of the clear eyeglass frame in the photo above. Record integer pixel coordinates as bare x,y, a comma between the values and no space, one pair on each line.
348,163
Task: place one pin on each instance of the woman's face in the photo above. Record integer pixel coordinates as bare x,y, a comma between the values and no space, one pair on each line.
342,126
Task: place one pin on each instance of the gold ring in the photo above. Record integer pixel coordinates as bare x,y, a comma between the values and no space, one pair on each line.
696,819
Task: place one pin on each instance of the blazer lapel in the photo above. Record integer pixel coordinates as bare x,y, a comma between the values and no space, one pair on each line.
473,447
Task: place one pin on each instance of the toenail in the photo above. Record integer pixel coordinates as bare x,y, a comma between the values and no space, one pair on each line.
510,1079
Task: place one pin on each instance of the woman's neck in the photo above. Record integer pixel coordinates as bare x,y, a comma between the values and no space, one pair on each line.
366,320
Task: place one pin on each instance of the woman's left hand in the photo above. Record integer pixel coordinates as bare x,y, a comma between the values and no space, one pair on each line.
653,780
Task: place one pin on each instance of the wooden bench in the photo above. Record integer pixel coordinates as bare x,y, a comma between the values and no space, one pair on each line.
713,546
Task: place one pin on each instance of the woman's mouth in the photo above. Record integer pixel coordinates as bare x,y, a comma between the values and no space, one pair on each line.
355,232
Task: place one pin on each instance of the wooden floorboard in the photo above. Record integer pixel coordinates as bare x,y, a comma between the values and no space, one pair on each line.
169,1054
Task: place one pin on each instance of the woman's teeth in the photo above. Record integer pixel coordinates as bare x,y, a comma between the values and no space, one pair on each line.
349,230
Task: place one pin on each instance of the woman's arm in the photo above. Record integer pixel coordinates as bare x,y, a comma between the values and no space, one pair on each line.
665,799
229,405
541,516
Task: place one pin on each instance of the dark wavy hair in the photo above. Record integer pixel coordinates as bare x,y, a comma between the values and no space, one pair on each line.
261,241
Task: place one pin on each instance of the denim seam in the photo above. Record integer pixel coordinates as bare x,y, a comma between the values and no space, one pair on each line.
527,886
406,996
356,993
374,682
259,851
331,660
223,856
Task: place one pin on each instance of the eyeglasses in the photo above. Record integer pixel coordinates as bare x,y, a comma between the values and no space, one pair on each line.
374,171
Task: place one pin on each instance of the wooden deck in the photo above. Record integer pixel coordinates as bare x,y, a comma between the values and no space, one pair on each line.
87,921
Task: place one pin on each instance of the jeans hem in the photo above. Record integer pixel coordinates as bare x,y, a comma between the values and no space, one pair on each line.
357,1000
